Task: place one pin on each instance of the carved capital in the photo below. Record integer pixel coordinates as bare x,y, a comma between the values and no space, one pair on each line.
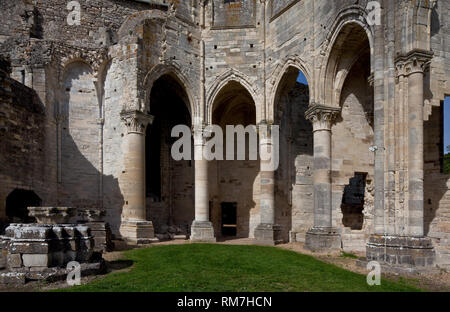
321,116
415,61
136,121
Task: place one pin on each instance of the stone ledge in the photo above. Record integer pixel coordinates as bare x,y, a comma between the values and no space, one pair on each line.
202,232
322,239
401,250
268,234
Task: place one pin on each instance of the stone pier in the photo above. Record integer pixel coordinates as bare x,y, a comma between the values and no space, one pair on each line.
135,228
322,235
202,229
267,232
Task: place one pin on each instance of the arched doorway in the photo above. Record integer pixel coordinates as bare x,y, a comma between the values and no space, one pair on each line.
293,179
17,203
234,183
349,85
169,183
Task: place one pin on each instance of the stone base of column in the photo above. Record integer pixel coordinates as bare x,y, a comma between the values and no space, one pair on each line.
321,239
138,232
202,232
401,250
268,234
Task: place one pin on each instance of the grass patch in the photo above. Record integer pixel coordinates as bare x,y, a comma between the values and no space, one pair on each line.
348,255
222,268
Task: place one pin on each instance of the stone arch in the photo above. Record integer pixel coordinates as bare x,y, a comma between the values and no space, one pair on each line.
175,71
132,21
331,76
277,77
220,82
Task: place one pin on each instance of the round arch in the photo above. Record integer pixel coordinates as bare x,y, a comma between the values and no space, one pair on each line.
220,82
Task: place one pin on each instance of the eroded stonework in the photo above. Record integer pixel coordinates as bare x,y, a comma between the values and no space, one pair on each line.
87,111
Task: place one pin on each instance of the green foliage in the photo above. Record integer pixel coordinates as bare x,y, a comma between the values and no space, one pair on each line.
222,268
447,164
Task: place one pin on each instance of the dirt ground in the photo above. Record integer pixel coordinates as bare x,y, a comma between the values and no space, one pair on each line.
436,281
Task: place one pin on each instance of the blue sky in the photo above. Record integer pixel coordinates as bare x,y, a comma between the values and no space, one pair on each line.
301,78
446,122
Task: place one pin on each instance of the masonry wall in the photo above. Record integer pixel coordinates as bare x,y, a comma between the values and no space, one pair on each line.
22,138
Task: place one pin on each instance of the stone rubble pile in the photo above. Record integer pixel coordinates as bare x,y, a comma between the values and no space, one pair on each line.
100,230
42,251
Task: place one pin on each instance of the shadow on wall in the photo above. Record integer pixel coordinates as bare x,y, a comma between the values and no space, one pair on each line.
22,139
82,182
170,183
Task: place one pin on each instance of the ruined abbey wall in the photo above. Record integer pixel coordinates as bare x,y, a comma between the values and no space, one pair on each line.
244,54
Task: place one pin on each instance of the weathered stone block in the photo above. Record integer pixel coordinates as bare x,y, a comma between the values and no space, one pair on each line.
268,234
202,232
14,261
36,260
320,239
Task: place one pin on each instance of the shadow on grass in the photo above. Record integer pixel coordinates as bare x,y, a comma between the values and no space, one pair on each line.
118,265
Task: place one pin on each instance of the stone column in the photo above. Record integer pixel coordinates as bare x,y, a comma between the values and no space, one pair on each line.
202,229
414,70
415,249
322,235
134,227
267,232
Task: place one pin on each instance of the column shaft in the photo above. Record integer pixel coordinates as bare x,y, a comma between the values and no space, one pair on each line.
135,227
322,179
322,236
134,161
202,229
201,191
415,154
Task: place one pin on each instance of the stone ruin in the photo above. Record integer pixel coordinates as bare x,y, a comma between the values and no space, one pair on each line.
42,251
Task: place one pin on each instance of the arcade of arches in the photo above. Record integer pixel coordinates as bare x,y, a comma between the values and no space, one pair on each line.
358,108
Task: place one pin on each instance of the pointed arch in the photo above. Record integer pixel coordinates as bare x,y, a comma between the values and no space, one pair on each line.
174,70
332,71
291,61
221,81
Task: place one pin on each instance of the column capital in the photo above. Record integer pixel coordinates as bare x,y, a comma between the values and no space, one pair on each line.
322,116
136,121
413,62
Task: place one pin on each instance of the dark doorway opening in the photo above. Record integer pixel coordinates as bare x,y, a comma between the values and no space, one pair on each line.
229,219
353,202
17,203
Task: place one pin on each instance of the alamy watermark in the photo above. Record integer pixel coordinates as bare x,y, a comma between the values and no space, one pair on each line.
74,16
74,273
241,144
374,276
373,9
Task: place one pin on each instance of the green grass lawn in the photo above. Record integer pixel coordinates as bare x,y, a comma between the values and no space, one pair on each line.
222,268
